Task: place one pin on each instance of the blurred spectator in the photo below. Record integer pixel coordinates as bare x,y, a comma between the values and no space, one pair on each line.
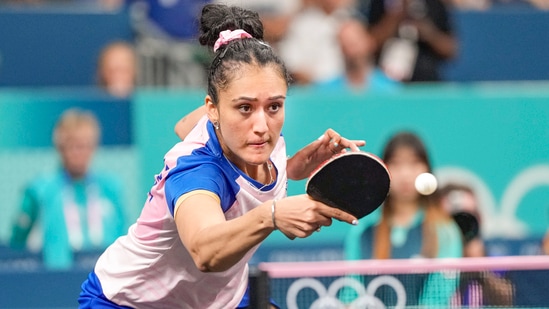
488,4
72,209
476,289
461,203
309,48
361,74
174,19
166,42
478,5
411,225
117,69
414,37
540,4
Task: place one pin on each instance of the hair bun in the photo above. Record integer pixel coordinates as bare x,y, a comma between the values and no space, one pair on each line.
216,18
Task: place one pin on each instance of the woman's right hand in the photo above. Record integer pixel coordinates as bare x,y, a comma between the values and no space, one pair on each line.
311,156
300,216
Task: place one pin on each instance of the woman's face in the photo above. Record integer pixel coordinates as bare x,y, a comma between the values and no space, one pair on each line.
118,71
404,167
250,113
77,148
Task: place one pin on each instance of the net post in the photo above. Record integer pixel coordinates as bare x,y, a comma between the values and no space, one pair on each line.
260,289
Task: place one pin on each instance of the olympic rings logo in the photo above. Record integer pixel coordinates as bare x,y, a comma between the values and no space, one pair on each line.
327,298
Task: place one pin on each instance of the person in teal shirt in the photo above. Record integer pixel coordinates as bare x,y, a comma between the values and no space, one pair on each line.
72,209
409,225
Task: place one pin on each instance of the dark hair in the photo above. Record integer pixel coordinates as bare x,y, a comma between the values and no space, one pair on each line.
230,57
410,140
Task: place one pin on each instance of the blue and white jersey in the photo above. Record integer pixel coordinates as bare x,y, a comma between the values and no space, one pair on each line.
150,267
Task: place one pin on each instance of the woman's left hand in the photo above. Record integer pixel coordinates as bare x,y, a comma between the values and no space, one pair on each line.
302,164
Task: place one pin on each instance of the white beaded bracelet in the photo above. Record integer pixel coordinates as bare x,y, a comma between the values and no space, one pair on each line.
273,208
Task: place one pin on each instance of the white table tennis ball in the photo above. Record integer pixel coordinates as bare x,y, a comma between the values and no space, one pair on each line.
426,183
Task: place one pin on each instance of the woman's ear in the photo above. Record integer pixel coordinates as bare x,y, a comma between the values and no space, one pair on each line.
211,109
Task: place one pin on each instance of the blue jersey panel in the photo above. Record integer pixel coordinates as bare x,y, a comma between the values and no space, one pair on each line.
207,176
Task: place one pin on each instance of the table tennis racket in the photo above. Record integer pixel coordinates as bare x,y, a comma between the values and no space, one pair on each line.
356,182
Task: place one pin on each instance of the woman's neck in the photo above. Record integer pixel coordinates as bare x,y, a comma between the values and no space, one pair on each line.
357,72
263,173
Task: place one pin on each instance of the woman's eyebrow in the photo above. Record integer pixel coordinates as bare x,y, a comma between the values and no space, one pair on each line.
244,98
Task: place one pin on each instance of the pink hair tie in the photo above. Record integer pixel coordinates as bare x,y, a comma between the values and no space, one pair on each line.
228,35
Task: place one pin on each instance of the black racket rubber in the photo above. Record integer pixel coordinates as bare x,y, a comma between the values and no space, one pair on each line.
356,182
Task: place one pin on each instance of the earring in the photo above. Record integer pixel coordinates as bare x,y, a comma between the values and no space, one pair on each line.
216,124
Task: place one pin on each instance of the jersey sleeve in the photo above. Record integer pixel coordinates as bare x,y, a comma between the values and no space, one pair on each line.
207,177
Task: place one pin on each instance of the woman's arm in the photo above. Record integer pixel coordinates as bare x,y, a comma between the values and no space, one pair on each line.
385,20
217,244
187,123
444,44
214,243
497,290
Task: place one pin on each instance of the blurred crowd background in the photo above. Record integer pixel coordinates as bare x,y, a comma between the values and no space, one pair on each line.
90,91
60,43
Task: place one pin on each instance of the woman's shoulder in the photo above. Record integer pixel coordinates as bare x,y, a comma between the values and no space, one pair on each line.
200,143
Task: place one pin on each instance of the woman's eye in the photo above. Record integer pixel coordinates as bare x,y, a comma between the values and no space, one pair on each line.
274,107
244,108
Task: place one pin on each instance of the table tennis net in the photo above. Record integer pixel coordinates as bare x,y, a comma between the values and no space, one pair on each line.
489,282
